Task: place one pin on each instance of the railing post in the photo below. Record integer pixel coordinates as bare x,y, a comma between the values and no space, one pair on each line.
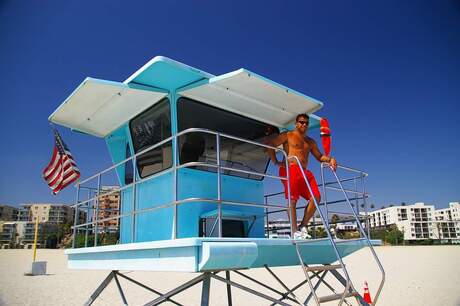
133,212
324,196
175,191
96,226
266,217
87,218
219,187
77,199
365,207
293,222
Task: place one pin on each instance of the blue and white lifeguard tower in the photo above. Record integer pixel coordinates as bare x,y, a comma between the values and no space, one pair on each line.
189,153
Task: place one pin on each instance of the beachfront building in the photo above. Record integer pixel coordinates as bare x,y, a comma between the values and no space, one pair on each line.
46,212
11,233
109,207
448,223
416,221
280,228
8,213
419,221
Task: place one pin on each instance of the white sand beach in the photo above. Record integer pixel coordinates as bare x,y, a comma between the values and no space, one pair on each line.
415,275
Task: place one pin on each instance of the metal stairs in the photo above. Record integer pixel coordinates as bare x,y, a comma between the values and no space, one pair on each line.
315,271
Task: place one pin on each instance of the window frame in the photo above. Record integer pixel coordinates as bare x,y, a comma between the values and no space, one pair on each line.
136,168
181,99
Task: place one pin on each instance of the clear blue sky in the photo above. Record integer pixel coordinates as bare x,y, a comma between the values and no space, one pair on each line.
388,72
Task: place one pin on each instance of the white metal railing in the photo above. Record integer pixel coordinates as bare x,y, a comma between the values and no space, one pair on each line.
359,224
219,201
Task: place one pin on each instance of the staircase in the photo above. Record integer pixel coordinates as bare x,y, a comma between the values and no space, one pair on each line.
320,271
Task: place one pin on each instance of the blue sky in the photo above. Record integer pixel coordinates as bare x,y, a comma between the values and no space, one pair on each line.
388,73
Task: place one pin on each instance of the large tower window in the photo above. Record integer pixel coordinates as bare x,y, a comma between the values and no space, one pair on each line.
147,129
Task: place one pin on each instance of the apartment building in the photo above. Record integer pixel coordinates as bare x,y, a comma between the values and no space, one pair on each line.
109,207
419,221
45,212
448,223
281,228
8,213
11,233
415,221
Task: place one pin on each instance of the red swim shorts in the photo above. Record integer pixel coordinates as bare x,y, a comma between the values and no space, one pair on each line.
297,183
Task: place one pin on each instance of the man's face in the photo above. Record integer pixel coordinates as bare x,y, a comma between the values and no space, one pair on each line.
302,125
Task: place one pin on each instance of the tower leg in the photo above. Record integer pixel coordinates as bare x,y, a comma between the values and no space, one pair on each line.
229,288
205,290
99,289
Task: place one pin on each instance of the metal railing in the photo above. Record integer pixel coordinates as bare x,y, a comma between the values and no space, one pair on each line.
86,204
359,224
92,202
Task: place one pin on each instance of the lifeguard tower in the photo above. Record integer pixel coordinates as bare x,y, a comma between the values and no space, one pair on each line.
189,153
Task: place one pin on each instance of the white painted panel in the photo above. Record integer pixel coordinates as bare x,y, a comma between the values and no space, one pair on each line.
253,96
98,107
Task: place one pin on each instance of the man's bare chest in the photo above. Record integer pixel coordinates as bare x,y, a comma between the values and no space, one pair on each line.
298,143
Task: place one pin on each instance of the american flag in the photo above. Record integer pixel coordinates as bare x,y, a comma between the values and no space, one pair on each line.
62,170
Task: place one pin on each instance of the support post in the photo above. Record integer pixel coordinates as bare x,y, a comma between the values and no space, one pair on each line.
205,289
123,298
133,218
175,191
99,289
229,288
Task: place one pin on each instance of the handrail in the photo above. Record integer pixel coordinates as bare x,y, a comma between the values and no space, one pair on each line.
360,226
174,169
158,144
331,239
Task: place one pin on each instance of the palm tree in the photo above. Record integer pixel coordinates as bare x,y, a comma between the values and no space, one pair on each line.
335,218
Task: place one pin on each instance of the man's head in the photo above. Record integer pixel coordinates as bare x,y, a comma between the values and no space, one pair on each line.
301,123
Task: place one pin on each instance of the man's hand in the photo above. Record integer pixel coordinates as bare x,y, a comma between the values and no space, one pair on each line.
333,163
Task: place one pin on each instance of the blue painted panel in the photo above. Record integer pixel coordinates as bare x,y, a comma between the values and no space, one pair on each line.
201,184
126,222
157,224
168,74
116,144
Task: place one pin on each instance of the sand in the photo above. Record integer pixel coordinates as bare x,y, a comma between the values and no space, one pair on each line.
415,275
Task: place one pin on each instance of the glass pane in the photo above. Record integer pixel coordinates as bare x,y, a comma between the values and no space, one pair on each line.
235,154
147,129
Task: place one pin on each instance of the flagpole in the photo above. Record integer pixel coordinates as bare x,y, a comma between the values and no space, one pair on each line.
35,238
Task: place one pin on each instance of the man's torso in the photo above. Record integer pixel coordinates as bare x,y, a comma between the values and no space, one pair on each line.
298,145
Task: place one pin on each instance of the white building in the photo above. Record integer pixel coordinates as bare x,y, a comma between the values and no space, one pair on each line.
448,223
419,221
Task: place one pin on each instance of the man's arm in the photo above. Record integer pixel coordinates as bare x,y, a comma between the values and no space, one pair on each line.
320,156
275,142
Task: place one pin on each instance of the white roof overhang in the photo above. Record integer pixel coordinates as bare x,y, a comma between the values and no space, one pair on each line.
253,96
98,107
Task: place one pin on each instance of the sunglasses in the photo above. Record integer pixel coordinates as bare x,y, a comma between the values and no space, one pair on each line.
303,122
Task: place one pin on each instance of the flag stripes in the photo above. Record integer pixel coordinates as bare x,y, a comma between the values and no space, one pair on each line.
62,169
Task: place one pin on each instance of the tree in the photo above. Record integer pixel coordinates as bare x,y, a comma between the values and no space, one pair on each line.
335,218
394,236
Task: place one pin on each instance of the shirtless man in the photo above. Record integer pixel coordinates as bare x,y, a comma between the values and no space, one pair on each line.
297,143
